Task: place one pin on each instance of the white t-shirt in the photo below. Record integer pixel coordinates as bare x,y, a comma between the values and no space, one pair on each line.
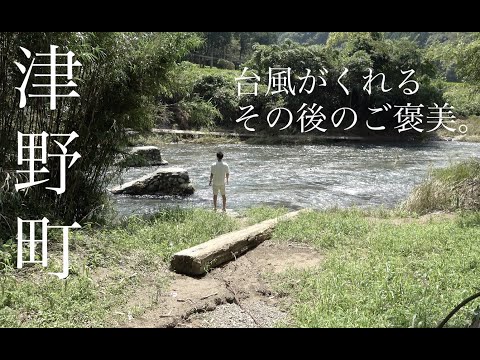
219,170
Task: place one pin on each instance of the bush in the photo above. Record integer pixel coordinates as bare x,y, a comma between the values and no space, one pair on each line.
453,188
189,84
464,98
200,113
221,92
225,64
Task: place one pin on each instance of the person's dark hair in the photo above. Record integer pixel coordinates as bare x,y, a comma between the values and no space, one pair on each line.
219,155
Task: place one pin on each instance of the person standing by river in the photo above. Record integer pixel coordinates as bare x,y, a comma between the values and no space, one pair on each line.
219,172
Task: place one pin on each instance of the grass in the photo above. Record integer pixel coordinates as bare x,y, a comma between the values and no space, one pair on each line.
448,189
166,232
131,256
48,302
381,267
380,273
258,214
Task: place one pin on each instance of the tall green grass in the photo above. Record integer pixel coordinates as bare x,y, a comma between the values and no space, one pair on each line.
456,187
166,232
382,274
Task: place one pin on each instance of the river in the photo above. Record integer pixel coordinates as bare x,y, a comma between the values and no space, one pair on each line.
315,176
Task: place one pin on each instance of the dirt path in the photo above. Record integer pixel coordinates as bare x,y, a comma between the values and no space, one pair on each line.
234,295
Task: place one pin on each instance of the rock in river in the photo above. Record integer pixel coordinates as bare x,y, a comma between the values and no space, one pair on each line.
164,181
144,156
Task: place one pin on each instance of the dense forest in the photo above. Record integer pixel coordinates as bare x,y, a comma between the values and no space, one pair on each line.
232,48
421,38
237,46
437,58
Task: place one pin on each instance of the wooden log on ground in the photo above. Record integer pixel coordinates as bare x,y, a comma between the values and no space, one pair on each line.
199,259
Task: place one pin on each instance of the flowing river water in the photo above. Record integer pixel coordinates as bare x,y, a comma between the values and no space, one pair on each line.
315,176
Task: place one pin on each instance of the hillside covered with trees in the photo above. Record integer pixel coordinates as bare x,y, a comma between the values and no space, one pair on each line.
211,100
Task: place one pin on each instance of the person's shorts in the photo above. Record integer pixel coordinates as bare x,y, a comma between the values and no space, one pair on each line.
219,188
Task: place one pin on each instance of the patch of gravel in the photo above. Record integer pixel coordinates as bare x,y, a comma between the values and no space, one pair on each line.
233,316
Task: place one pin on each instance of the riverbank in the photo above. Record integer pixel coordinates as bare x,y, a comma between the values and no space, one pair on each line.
347,267
376,268
116,272
160,137
472,134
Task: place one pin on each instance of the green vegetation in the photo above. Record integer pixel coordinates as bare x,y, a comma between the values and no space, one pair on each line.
260,213
468,60
225,64
382,273
225,49
462,56
198,98
391,268
213,92
422,38
130,256
120,77
358,52
306,38
464,98
426,40
456,187
169,230
381,268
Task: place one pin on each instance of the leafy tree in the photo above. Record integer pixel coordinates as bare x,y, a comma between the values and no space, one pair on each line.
308,38
120,76
247,39
358,52
216,43
468,61
233,46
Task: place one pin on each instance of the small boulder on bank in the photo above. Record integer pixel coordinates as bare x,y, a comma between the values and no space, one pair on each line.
162,182
144,156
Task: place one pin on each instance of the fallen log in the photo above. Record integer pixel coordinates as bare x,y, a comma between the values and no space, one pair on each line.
198,259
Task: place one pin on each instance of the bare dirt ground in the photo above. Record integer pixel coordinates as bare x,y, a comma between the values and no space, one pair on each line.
238,294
